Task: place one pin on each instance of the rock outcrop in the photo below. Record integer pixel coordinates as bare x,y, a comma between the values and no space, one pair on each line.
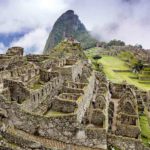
69,25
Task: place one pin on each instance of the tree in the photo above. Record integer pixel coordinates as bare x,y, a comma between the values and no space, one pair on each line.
97,57
139,46
116,43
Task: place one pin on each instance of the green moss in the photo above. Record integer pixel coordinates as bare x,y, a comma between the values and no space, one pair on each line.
36,86
57,114
145,130
1,138
54,113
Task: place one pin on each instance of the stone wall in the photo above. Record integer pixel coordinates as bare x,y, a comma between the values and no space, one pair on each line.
39,95
18,92
125,143
128,131
62,128
86,99
47,76
116,90
4,75
70,72
65,106
15,51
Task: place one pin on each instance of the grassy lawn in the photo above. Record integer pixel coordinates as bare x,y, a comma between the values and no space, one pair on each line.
145,130
111,63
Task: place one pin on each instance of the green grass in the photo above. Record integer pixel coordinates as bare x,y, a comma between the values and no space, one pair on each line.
54,113
145,130
93,51
36,86
111,63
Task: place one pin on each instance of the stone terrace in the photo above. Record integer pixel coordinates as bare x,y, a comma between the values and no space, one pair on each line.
50,103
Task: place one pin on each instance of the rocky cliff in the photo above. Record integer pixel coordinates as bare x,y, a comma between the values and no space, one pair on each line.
69,25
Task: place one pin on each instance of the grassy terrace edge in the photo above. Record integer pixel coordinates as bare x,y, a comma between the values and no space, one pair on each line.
113,63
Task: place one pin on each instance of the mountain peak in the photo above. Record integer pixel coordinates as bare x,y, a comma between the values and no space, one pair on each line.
69,12
68,25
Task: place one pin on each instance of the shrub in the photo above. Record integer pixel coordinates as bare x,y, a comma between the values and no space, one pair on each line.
97,57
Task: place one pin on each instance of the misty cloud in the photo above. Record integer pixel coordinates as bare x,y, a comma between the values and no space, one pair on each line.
127,20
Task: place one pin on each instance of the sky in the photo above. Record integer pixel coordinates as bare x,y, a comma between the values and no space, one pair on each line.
27,23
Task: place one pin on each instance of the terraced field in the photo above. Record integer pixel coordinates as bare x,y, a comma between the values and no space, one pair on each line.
112,64
145,128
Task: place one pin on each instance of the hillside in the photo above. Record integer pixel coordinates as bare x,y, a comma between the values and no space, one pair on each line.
69,25
119,66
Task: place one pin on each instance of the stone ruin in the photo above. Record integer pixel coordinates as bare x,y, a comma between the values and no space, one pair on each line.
63,104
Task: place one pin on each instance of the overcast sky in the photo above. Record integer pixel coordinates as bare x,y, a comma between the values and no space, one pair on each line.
27,23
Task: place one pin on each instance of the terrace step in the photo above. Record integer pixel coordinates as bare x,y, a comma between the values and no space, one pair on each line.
145,82
48,143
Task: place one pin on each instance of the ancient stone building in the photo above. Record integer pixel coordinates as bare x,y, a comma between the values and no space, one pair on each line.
48,103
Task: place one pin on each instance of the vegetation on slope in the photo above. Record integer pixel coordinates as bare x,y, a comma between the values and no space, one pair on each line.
145,130
131,60
116,43
111,63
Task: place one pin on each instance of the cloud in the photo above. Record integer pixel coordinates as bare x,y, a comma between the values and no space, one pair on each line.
33,42
18,15
2,48
127,20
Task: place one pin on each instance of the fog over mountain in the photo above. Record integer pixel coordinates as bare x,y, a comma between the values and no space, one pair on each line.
30,21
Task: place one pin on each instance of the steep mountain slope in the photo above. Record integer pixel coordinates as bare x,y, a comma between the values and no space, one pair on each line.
69,25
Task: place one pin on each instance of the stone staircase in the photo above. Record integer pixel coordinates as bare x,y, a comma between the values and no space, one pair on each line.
46,143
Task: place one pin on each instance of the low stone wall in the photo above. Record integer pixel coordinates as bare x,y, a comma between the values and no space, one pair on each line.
72,90
124,143
122,70
144,78
37,58
128,130
70,61
65,106
92,137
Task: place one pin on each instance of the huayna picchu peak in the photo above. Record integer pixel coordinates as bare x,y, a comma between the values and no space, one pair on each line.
69,25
